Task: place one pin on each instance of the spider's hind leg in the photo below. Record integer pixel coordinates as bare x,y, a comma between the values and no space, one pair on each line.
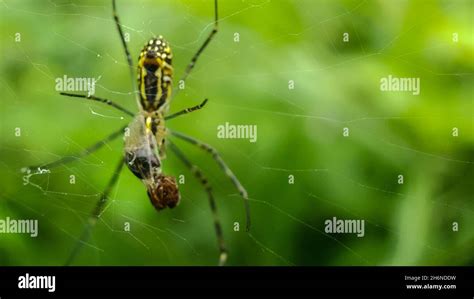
208,40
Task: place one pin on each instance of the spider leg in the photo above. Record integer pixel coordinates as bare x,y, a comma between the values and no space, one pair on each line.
187,110
215,155
95,213
205,183
102,100
203,46
87,151
124,43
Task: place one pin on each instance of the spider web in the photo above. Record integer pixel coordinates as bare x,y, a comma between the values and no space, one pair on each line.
247,82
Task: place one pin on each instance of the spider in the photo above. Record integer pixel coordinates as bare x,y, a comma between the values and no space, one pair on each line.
146,137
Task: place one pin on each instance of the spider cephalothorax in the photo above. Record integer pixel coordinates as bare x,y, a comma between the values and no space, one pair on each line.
144,152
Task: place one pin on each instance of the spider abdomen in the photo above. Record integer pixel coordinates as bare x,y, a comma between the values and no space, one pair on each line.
155,74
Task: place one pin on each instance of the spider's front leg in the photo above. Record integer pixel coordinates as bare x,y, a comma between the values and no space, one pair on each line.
205,183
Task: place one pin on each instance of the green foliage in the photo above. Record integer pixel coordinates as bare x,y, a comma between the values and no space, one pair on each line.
300,131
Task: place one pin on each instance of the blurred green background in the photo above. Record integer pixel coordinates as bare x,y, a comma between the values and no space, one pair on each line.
336,85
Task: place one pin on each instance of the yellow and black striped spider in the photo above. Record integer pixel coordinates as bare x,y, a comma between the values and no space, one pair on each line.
147,136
